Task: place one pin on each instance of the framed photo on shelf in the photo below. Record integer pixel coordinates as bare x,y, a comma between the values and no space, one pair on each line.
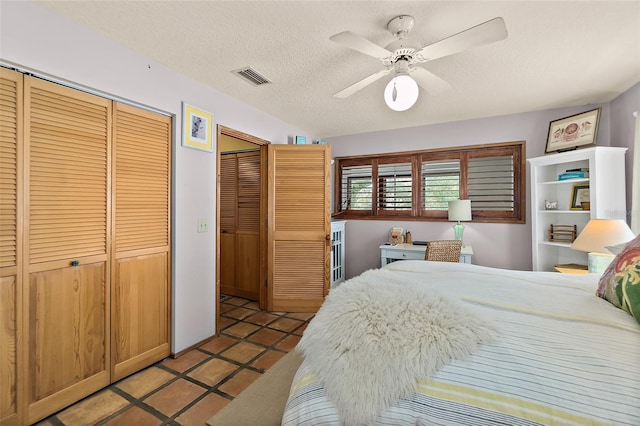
572,132
579,194
197,128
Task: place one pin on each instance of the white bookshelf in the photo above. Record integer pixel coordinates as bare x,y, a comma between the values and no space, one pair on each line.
607,196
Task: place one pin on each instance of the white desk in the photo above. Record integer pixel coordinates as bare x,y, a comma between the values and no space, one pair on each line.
389,253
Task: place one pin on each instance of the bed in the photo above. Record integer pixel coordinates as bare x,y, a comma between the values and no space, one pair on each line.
560,355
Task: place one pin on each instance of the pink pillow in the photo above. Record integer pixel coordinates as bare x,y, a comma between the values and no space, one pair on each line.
620,283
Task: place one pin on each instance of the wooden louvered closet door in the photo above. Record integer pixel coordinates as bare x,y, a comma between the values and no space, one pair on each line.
66,299
228,184
248,234
140,290
240,191
10,210
299,227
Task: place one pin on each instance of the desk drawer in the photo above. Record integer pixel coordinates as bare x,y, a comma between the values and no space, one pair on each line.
403,255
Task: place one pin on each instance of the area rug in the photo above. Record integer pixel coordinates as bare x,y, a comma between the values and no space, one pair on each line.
375,335
263,402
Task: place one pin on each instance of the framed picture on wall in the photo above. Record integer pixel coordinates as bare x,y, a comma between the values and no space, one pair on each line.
572,132
197,128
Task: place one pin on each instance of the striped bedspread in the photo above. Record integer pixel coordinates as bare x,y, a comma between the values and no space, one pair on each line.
563,357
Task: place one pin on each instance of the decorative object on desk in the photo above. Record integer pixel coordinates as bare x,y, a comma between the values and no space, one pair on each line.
300,140
571,132
596,236
396,236
197,128
562,233
459,210
586,205
407,237
550,205
579,193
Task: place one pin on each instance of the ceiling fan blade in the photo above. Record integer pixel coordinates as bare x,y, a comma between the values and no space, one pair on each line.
362,45
361,84
485,33
430,82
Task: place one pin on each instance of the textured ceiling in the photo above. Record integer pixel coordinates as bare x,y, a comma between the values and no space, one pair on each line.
557,54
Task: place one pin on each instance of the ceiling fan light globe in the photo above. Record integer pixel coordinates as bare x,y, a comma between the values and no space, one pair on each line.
407,92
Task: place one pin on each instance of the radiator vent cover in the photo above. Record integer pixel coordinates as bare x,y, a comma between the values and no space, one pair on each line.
251,75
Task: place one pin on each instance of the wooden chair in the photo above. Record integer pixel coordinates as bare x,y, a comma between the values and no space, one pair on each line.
443,251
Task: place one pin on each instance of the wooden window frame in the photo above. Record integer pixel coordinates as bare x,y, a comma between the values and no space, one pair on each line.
463,154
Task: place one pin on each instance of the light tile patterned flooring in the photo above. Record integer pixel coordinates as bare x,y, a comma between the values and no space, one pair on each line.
190,389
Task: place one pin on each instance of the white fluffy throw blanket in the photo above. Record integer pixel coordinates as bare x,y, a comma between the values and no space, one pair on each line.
375,336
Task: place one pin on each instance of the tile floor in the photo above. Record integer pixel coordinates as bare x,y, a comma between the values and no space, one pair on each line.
192,388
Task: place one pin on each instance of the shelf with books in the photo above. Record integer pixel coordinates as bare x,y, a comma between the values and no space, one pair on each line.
605,196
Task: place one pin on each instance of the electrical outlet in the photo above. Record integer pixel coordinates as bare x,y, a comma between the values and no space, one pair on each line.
203,226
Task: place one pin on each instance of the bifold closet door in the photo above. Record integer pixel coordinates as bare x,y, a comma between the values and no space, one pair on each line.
228,190
66,246
240,192
10,211
248,234
140,288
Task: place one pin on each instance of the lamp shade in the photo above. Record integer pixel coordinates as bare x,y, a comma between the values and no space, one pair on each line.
401,92
460,210
600,233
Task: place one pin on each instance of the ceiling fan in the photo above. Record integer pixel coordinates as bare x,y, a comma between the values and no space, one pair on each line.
402,55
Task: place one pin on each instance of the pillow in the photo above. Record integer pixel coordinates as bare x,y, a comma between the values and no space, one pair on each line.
620,283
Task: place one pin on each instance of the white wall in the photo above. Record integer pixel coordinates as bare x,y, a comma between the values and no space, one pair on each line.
497,245
622,132
34,38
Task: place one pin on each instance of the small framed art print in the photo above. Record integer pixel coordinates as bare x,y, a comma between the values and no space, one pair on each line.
197,128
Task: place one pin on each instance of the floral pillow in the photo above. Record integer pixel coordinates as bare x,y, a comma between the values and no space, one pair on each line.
620,283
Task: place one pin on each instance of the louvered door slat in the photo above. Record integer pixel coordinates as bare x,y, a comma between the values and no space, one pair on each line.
141,180
68,174
299,205
228,192
296,282
10,277
249,191
9,101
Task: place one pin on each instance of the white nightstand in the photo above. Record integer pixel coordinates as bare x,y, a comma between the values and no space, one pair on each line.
389,253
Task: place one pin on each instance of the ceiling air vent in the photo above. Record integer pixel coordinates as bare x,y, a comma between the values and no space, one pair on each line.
251,75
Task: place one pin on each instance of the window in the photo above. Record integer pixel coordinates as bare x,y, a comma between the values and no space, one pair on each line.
419,185
356,189
394,187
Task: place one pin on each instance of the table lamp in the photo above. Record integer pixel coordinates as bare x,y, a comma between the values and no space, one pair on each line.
459,210
596,236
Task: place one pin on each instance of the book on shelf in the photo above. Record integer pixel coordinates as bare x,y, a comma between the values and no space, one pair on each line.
579,169
573,175
571,268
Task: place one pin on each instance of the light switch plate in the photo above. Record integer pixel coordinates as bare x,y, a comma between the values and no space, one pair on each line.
203,225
